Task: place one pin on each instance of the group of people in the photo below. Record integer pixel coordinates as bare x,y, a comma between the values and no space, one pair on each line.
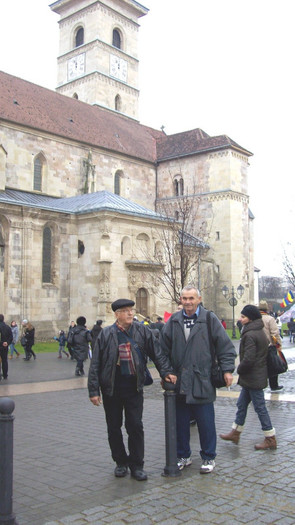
9,336
182,357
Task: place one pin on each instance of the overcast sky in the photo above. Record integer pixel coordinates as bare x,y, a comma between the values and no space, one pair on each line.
226,66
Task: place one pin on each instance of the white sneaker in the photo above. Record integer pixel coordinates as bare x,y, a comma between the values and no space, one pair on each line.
184,462
207,466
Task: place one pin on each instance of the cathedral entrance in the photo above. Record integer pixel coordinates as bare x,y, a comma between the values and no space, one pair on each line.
141,302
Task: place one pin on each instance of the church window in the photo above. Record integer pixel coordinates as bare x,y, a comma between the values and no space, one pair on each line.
116,39
81,248
47,255
79,40
177,215
118,103
38,172
217,236
2,248
125,246
75,95
117,183
178,186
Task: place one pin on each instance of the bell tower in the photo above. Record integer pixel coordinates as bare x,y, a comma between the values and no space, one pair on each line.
98,52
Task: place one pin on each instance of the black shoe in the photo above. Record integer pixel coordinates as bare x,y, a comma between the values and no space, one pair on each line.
82,373
139,474
26,359
121,471
277,389
193,422
77,373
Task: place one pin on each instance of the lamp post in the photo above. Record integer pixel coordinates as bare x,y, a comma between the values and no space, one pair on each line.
233,297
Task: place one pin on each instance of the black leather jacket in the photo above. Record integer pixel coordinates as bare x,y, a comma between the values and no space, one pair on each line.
105,357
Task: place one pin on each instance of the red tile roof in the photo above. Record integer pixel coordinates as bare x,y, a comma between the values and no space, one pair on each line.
32,106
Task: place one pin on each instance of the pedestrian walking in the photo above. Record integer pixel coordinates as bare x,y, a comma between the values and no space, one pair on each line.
15,334
79,338
95,332
117,373
272,333
185,340
69,347
252,372
5,340
62,343
28,339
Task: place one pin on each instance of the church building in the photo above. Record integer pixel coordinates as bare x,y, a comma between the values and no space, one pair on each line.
83,184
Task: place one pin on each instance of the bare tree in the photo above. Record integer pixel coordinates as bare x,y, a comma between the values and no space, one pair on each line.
180,246
289,266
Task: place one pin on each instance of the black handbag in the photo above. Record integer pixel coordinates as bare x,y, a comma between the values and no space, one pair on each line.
276,361
217,375
23,340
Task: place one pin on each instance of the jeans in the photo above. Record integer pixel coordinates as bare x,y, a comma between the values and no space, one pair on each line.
205,417
257,397
12,349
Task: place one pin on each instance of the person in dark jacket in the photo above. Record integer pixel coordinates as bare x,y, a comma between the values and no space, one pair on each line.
185,340
28,332
95,332
6,338
252,372
117,372
80,338
70,349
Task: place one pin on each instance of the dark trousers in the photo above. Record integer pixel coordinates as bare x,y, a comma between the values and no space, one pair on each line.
129,401
29,351
3,355
273,382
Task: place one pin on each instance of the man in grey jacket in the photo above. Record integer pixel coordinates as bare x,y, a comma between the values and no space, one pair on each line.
185,340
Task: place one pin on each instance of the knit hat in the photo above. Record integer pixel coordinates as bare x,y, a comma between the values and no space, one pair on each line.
251,312
263,306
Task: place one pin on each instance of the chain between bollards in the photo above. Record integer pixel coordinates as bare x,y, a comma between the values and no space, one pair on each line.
6,461
171,468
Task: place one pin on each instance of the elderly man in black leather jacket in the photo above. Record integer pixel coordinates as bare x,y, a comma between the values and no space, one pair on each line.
117,371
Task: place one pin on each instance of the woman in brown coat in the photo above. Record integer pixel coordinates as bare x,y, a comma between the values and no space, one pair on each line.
252,372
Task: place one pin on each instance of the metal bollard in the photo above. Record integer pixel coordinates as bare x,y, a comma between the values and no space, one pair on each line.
171,468
6,461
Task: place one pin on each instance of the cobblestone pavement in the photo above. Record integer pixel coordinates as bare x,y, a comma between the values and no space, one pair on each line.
63,472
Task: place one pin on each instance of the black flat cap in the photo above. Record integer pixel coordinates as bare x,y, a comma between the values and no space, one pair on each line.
122,303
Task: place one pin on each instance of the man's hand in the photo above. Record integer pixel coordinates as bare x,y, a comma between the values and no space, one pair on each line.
96,400
170,378
5,344
228,378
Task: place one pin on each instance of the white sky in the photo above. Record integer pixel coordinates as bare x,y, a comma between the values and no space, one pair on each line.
226,66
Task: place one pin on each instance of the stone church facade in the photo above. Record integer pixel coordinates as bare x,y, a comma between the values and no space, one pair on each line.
82,184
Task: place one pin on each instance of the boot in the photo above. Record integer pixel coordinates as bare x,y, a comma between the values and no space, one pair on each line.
269,442
233,435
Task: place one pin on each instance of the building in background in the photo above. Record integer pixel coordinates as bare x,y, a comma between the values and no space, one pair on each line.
83,184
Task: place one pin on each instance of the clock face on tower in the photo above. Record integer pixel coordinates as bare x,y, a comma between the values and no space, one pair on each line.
118,68
76,66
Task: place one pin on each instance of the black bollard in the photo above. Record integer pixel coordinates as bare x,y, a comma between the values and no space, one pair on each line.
6,461
171,468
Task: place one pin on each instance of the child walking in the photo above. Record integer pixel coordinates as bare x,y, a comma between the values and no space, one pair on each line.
62,343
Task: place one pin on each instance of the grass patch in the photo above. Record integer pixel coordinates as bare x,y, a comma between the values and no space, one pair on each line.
41,348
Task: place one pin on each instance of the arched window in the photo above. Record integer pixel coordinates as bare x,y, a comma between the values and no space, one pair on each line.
178,186
2,248
118,103
47,255
79,39
116,39
125,246
141,302
75,95
117,182
38,172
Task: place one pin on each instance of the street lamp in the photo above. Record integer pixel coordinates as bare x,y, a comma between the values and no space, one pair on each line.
233,297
